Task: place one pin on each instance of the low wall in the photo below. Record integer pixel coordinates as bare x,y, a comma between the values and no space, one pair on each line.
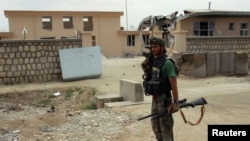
32,60
218,44
213,63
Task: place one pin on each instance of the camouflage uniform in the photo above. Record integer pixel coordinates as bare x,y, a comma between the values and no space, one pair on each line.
163,126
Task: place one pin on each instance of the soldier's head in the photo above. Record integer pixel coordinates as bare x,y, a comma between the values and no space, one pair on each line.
157,46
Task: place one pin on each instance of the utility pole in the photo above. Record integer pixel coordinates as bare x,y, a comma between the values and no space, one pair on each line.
127,27
209,5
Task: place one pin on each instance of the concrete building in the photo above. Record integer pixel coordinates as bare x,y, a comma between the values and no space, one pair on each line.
94,27
104,29
230,27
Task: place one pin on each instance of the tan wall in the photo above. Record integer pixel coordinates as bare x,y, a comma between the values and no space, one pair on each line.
108,38
5,35
180,43
33,24
16,25
184,29
221,25
133,50
32,60
105,28
86,39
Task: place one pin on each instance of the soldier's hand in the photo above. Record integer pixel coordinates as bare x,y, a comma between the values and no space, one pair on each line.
173,107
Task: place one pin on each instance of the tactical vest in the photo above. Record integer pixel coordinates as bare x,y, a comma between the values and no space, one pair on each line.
157,85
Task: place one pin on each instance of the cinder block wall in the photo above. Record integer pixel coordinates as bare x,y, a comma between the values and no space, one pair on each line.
218,44
26,61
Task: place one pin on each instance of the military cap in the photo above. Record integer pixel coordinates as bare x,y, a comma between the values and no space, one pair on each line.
157,41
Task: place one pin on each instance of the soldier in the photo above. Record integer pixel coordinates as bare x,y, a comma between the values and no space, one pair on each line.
160,82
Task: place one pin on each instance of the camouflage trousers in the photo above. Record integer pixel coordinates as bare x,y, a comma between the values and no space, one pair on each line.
163,126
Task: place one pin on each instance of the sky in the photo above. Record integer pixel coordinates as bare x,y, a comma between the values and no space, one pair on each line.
134,10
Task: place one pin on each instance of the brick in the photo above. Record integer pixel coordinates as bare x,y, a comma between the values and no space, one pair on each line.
2,61
3,74
9,61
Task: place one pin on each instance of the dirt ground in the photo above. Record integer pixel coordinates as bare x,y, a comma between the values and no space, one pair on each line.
26,109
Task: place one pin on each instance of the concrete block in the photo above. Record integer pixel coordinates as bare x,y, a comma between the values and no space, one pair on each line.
131,90
102,99
227,62
213,63
241,63
194,64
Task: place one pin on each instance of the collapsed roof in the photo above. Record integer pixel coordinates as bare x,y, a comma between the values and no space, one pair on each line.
149,22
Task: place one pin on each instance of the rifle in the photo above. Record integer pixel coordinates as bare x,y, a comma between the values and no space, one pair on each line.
149,58
182,103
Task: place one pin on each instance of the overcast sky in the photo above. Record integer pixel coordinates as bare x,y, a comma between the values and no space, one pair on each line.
136,9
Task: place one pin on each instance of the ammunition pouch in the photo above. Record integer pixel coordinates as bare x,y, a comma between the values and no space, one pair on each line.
152,87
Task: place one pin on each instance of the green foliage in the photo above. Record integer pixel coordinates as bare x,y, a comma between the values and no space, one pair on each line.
84,97
43,102
81,97
90,106
92,91
71,91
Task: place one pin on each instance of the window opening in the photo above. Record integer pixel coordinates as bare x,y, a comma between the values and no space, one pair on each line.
243,29
87,24
130,40
203,29
47,22
67,22
231,26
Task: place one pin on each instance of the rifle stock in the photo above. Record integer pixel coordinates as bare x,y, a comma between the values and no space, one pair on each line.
183,104
200,101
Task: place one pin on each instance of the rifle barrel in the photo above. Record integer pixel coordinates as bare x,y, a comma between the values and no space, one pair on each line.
155,114
183,103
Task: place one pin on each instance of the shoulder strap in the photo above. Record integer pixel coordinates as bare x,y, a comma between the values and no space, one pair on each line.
171,59
198,121
162,68
177,69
